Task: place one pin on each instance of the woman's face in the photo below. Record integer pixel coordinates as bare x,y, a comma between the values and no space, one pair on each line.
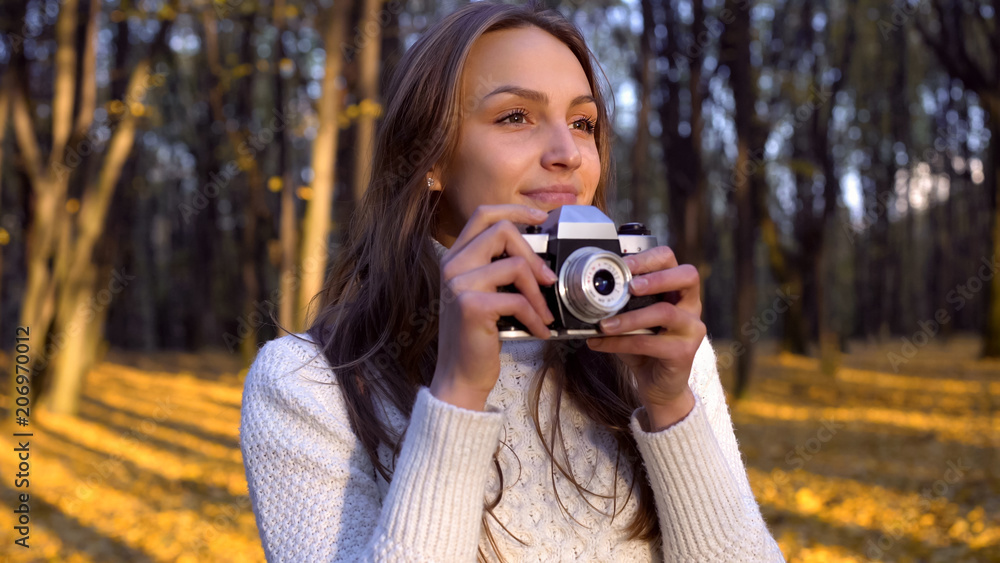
526,134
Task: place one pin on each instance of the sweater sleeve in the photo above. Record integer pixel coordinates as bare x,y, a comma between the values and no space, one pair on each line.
313,487
706,508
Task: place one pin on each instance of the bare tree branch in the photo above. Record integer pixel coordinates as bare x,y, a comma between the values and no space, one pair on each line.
950,48
24,132
6,92
88,74
97,197
65,79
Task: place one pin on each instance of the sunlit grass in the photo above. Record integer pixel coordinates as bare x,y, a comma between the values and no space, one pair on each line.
978,430
884,476
912,383
933,520
151,470
805,369
154,517
140,450
824,554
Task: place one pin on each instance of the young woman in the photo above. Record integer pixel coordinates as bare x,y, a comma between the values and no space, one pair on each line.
400,428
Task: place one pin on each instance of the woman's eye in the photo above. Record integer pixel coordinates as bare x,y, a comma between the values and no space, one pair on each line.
514,115
588,125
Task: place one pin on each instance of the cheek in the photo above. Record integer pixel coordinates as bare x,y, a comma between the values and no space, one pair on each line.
591,170
490,176
471,187
592,159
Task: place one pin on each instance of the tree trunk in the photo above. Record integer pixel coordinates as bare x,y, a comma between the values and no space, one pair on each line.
991,336
695,219
883,272
829,333
38,304
49,181
289,241
794,338
316,228
685,177
746,286
77,311
367,92
736,44
64,84
949,45
254,213
77,294
829,328
6,88
87,92
288,235
643,76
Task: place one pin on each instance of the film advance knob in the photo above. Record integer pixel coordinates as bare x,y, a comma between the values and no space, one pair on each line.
633,229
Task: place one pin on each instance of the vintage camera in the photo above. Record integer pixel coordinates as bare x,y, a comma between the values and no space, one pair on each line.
583,248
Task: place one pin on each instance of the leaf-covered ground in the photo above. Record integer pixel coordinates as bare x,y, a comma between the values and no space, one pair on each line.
876,464
868,465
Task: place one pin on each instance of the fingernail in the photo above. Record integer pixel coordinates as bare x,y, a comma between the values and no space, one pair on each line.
630,262
639,284
550,276
610,324
593,342
551,318
539,213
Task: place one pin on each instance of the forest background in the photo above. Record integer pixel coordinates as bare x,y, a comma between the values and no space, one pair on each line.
172,172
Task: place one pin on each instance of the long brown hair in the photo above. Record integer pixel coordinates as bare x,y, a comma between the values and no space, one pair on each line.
377,320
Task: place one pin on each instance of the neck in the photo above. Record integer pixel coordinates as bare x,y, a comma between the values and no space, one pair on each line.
447,228
445,239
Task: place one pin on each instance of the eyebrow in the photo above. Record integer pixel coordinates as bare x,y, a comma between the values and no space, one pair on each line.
536,96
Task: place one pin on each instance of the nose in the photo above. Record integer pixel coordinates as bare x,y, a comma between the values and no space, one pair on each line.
561,150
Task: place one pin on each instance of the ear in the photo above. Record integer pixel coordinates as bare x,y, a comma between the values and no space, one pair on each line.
433,180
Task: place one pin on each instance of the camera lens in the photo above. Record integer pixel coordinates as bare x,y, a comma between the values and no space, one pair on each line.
593,283
604,282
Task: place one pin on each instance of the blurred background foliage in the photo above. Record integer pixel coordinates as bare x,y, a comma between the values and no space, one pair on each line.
174,171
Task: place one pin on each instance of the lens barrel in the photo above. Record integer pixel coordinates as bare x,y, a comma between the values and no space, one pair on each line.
593,283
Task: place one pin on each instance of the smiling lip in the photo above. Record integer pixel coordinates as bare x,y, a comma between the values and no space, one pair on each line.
564,194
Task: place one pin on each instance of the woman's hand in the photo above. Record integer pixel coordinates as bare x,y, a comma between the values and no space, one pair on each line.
468,362
661,362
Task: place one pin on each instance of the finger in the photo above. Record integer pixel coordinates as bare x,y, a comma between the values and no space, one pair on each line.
658,315
512,270
683,279
656,258
479,305
653,346
501,237
486,216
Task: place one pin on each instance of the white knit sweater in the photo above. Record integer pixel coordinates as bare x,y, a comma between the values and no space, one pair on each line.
317,496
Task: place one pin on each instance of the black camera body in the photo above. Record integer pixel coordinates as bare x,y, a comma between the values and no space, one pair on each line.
583,247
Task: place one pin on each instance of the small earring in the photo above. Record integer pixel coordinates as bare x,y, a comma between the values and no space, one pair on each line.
430,182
